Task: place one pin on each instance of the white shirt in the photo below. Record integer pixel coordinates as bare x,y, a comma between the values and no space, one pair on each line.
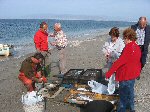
60,39
114,49
140,33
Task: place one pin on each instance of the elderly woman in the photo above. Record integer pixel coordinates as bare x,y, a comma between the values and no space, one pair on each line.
113,47
127,68
60,43
112,50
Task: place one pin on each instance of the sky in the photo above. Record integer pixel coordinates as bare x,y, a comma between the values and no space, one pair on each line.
129,10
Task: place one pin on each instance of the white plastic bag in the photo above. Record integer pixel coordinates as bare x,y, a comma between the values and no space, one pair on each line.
111,84
98,87
31,98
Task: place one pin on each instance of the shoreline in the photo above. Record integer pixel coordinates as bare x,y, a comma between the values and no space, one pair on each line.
82,54
73,41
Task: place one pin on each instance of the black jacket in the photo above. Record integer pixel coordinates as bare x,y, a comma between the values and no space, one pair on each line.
146,43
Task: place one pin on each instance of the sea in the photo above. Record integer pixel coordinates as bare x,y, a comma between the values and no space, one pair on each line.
20,32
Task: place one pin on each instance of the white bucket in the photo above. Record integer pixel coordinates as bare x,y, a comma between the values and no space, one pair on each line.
38,107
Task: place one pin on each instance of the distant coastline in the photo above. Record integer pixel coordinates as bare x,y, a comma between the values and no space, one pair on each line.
73,17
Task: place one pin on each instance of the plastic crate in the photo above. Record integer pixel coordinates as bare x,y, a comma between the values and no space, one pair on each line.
72,76
90,74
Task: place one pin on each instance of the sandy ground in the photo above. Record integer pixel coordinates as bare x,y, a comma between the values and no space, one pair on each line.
80,54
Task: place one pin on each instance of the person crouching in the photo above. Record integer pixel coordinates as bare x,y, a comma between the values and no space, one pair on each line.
31,71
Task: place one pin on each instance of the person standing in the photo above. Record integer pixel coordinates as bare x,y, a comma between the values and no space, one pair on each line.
60,43
142,30
112,50
127,68
113,47
41,44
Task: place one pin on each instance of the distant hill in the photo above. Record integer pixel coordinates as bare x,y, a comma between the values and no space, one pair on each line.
66,17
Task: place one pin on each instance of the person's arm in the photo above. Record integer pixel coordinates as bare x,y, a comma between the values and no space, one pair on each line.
29,73
146,44
37,42
116,53
40,74
144,54
37,77
53,43
118,63
105,49
51,35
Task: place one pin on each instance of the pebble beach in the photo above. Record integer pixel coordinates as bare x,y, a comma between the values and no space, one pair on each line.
80,54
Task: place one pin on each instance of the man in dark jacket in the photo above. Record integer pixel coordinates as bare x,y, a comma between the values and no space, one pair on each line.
142,30
31,71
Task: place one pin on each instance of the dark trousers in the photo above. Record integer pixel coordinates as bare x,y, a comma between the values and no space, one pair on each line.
126,93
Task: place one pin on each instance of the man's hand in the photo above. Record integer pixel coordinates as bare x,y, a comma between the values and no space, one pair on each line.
51,35
43,79
39,74
40,80
53,43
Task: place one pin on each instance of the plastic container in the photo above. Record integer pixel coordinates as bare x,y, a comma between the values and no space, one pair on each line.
32,102
90,74
72,76
38,107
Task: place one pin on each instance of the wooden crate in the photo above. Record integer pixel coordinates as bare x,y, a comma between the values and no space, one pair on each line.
73,94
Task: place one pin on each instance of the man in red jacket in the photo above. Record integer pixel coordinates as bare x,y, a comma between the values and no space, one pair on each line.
41,43
127,68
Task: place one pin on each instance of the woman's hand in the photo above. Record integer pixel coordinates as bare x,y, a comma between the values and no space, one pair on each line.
107,55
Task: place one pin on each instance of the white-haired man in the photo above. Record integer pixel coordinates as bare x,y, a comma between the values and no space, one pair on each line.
60,43
142,30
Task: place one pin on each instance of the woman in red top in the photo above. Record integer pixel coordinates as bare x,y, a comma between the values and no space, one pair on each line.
127,68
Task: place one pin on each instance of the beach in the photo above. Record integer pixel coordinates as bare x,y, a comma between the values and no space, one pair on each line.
80,54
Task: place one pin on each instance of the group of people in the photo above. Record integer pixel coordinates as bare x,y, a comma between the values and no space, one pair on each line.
32,70
126,59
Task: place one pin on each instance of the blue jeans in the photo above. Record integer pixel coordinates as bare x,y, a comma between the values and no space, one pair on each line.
126,93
